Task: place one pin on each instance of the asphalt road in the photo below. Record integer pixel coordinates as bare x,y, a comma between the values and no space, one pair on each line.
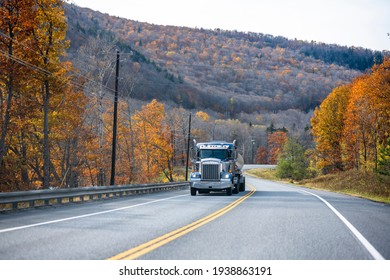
277,221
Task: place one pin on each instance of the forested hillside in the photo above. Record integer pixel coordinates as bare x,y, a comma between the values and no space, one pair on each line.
225,71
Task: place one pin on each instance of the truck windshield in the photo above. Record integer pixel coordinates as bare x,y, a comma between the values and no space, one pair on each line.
220,154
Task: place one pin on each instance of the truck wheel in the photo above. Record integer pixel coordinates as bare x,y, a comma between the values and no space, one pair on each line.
236,189
229,191
242,185
193,191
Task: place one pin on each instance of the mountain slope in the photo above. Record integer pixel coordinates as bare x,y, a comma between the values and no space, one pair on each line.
224,71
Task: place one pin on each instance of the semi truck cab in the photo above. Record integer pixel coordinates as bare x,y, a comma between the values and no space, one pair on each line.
216,166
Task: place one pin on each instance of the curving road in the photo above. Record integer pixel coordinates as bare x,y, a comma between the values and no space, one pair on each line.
274,221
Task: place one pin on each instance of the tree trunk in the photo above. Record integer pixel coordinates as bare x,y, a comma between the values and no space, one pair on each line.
24,165
7,115
4,129
46,144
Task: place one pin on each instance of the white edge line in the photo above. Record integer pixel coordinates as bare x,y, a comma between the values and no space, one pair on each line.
371,249
86,215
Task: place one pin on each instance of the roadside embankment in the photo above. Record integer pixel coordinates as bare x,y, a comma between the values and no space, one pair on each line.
367,184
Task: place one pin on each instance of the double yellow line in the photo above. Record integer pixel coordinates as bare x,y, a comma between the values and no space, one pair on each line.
147,247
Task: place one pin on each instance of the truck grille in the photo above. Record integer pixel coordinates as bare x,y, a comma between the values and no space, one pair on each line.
210,171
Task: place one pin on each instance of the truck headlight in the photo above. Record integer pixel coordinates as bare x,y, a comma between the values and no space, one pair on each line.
226,175
195,175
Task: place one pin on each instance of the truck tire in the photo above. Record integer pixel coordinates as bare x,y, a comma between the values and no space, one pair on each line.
236,189
242,185
193,191
229,191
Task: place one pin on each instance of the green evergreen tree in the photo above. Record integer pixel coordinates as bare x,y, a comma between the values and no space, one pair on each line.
292,162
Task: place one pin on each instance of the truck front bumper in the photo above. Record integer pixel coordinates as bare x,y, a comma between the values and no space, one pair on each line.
211,185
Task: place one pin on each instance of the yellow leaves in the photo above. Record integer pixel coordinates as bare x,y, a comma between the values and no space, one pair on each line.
170,53
49,33
328,127
154,151
203,116
237,59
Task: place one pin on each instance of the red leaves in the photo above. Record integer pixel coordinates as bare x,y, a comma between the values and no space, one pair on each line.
276,141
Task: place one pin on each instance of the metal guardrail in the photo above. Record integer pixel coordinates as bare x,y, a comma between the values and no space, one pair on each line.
35,198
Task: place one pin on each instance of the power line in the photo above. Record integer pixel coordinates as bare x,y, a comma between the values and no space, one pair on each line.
25,63
43,71
49,60
75,72
46,72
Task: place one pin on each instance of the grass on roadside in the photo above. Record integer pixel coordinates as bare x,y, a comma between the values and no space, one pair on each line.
368,185
264,173
179,175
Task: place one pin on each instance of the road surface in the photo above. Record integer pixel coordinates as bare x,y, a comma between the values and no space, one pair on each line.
269,220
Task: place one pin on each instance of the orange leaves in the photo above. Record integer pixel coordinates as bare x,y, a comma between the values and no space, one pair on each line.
262,155
367,118
353,123
359,124
276,141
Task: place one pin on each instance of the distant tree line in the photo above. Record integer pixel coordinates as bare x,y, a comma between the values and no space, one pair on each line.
354,57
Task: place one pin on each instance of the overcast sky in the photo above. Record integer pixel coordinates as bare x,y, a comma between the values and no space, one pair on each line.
361,23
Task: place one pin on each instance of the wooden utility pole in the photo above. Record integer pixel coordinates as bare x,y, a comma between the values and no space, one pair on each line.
188,146
114,125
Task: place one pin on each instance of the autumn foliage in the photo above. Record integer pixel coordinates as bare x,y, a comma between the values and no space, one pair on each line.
39,123
352,126
276,142
328,127
56,116
54,132
153,143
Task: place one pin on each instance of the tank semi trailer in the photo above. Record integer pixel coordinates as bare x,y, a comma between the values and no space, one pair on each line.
216,166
